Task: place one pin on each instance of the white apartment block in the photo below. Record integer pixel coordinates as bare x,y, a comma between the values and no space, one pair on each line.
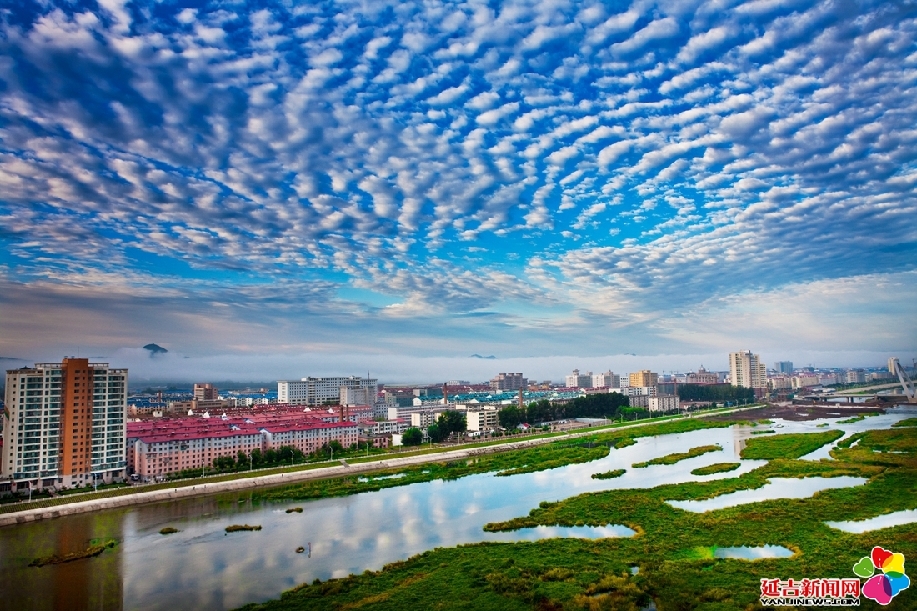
316,391
578,380
780,383
508,381
64,424
856,377
606,380
747,370
662,403
805,381
482,418
635,391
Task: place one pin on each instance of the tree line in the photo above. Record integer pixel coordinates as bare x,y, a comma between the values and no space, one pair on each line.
604,405
715,393
449,423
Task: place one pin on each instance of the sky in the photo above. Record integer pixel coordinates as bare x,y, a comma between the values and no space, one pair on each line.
278,189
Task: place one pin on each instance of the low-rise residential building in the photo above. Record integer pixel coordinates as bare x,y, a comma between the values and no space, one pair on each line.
163,446
855,376
662,403
702,376
805,380
482,418
780,383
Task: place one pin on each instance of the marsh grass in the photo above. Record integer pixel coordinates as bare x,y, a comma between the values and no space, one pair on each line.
168,530
673,548
720,467
609,474
89,552
240,527
788,445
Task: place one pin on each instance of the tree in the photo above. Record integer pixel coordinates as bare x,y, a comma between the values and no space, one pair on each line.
436,433
450,422
510,417
412,437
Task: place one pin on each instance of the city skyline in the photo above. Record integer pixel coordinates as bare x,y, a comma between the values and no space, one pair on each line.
332,188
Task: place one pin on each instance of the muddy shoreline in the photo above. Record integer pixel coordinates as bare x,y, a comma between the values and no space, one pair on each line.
799,412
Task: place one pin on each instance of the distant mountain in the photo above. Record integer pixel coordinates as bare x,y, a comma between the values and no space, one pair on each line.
478,356
155,349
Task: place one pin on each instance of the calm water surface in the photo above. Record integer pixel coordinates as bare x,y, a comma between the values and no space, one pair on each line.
202,567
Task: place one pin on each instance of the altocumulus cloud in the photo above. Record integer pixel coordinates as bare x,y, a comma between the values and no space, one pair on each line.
441,176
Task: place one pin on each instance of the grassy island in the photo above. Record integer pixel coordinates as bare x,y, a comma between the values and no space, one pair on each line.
240,527
671,459
788,445
609,474
720,467
89,552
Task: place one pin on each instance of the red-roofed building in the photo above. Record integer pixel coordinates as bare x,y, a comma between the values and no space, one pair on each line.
163,446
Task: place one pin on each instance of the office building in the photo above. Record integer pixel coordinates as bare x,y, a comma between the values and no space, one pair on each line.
64,425
702,376
747,370
318,391
205,392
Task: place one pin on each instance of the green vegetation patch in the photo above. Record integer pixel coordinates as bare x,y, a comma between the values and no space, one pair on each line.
720,467
168,530
905,422
671,459
89,552
673,548
623,443
294,510
609,474
764,432
863,416
788,445
239,527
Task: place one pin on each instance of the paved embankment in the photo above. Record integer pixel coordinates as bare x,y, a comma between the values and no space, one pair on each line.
291,477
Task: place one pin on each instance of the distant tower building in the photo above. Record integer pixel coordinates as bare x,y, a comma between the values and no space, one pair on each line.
508,381
644,378
747,370
64,424
205,392
577,380
784,367
606,380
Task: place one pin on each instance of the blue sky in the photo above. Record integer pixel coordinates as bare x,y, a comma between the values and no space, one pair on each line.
332,183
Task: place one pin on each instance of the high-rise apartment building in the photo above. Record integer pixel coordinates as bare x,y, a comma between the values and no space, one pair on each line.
747,370
785,367
316,391
644,377
508,381
64,424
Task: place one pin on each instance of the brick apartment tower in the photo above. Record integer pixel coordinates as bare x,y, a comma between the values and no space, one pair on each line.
75,417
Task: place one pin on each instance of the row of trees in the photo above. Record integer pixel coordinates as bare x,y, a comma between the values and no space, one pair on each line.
715,393
604,405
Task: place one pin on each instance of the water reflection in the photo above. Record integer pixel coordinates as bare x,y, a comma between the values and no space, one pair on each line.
897,518
776,488
753,553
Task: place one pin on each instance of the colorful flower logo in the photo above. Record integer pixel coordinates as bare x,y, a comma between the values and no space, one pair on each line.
882,587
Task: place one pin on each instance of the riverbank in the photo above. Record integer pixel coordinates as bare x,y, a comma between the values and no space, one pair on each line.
54,508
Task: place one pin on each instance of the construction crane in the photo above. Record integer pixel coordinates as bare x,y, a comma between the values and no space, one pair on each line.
894,366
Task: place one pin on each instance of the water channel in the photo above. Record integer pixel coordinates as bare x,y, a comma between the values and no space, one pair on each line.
202,567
